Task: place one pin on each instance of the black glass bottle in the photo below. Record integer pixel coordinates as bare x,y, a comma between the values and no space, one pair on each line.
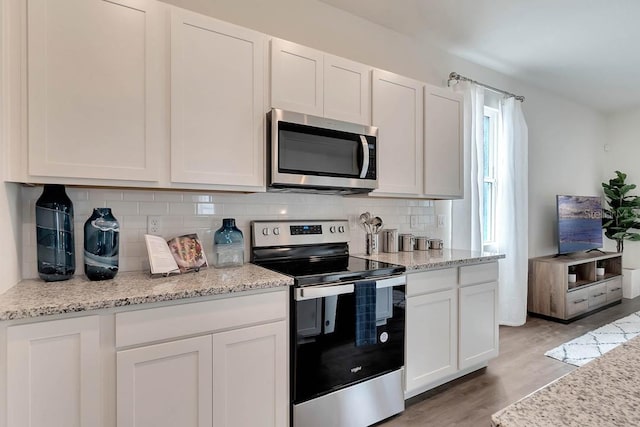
54,234
101,242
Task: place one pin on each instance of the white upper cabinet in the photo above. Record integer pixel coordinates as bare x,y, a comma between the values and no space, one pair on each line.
347,90
308,81
95,89
397,112
296,78
443,143
217,103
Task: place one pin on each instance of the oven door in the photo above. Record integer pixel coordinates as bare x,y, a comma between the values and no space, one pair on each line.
342,335
311,151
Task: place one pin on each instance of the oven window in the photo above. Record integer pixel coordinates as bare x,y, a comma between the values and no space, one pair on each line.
326,353
315,151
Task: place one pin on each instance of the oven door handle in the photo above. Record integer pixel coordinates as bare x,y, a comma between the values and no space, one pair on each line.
322,291
391,281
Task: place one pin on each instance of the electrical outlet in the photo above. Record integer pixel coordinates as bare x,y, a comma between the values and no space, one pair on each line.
154,224
440,221
414,221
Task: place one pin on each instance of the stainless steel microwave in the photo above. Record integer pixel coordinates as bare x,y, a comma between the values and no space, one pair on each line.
316,154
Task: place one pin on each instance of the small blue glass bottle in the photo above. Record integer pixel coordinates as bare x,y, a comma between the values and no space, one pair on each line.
101,245
228,245
54,234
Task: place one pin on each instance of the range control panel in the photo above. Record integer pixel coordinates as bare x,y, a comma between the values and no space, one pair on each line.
302,232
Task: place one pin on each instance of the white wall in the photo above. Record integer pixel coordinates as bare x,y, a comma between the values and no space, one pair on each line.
565,138
623,139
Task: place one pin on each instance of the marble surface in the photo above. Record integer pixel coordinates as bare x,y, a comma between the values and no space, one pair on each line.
434,258
604,392
34,298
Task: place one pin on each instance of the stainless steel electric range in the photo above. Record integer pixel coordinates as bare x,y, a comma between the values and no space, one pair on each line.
347,317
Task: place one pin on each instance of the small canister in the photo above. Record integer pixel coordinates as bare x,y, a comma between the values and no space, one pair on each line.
421,243
435,243
390,240
406,242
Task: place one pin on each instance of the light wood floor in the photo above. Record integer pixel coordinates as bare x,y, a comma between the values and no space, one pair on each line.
520,369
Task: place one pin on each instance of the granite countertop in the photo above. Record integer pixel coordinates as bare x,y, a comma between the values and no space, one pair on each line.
34,298
434,258
604,392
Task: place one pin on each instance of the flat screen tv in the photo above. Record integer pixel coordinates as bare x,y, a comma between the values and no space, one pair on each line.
579,223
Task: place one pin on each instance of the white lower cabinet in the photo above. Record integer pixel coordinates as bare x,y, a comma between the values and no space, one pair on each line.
232,372
432,324
478,324
206,381
166,384
451,324
250,371
54,374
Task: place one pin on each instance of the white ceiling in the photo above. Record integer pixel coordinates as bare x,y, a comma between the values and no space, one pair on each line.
585,50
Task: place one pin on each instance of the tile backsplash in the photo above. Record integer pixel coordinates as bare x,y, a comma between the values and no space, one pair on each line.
202,212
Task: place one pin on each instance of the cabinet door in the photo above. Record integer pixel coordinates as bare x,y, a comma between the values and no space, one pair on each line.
443,143
478,324
250,365
432,324
296,78
53,374
397,112
167,384
96,89
217,102
347,90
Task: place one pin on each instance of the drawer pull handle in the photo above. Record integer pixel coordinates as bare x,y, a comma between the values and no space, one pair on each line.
599,295
579,301
615,289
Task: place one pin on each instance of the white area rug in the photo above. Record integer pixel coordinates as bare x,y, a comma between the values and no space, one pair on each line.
597,342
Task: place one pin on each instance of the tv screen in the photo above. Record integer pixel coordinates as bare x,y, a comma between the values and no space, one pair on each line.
579,223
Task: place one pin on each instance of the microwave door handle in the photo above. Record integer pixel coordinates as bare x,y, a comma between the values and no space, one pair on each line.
312,292
365,156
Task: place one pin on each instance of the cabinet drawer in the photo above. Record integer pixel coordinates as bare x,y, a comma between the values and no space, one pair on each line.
155,324
430,281
480,273
597,295
577,302
614,289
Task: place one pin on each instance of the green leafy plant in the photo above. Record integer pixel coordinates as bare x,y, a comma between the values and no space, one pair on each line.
622,214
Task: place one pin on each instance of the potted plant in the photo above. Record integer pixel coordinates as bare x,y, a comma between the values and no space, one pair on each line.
621,214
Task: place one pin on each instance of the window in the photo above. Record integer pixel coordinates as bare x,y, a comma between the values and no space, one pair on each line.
489,174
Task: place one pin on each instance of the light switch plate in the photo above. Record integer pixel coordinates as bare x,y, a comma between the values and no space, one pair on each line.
414,221
440,221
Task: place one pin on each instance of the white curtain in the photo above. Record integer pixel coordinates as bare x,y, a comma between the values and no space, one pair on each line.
512,212
466,214
511,198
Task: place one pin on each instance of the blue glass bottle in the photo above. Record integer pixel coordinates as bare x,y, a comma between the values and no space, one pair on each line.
101,245
54,234
228,245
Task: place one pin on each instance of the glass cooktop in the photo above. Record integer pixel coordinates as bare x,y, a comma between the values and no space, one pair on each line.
314,271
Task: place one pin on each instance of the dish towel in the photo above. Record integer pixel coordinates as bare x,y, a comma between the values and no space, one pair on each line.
365,294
